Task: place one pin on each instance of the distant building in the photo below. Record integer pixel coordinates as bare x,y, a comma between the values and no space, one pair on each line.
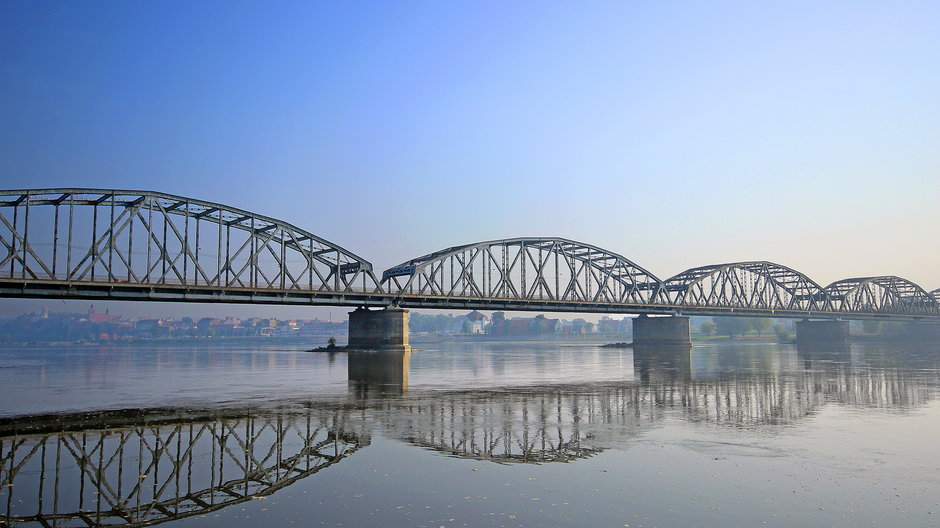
95,317
519,327
474,323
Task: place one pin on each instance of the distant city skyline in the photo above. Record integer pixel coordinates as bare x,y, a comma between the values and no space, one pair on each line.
676,135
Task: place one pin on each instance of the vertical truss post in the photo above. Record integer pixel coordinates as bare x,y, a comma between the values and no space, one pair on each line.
25,238
68,255
186,246
55,240
111,243
149,239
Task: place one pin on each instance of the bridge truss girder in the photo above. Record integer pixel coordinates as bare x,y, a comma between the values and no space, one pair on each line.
555,270
142,238
141,245
756,285
882,294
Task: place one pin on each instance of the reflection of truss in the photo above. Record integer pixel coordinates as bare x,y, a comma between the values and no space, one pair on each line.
555,424
144,475
499,427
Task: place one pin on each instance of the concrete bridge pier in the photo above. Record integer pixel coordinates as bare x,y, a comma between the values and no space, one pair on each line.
379,330
828,332
672,330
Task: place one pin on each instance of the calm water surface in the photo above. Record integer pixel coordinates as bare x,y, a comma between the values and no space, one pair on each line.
489,434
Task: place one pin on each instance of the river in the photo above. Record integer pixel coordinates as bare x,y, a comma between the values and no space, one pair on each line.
470,434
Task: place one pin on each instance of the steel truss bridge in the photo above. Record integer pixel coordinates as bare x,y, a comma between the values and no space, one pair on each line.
150,246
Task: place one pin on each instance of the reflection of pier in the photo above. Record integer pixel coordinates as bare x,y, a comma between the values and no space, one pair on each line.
144,474
377,374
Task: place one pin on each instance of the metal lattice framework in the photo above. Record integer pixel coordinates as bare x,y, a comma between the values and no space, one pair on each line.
148,474
150,246
885,294
193,249
554,270
747,285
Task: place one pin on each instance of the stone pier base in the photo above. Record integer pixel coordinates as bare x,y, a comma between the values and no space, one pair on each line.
822,332
379,330
672,330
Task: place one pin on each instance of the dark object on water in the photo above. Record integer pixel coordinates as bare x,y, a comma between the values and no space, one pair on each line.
330,347
617,345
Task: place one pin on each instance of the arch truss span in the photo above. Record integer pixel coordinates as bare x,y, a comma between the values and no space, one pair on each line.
553,270
148,238
758,285
936,295
884,294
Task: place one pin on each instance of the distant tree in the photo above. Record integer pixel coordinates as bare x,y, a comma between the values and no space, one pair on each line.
540,324
498,323
732,326
465,327
607,325
331,342
589,327
782,333
760,324
442,323
708,328
579,325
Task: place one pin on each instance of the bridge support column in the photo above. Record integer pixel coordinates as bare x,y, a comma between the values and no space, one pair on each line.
380,330
672,330
821,332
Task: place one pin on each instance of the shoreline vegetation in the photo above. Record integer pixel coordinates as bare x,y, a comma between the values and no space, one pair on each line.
608,341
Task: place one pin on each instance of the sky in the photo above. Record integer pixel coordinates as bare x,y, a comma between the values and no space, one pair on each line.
676,134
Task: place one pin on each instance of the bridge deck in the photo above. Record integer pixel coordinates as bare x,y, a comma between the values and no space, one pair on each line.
122,291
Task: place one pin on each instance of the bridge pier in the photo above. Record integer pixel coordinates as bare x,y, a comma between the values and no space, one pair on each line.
379,330
673,330
827,332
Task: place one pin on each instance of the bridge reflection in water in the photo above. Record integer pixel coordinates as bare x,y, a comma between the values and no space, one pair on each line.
118,470
151,469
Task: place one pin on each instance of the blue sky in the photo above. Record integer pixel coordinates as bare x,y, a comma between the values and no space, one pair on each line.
677,134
